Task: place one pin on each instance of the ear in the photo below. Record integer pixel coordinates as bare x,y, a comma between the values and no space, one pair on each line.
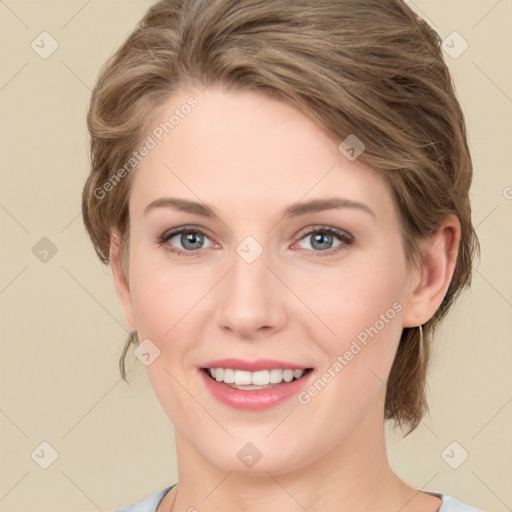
429,284
120,280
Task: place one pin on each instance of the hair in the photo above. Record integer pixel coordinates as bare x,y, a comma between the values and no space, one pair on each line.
372,68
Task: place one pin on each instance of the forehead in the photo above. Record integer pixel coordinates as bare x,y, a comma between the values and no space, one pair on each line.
239,149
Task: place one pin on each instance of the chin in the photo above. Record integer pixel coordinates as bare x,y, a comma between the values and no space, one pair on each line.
256,459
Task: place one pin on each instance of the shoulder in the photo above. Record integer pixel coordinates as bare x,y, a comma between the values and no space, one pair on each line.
451,504
148,504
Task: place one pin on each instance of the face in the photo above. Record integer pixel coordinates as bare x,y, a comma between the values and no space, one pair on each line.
263,279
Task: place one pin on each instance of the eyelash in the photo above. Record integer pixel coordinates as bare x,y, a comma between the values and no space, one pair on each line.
343,237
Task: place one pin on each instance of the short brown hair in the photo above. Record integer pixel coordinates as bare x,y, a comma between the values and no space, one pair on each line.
372,68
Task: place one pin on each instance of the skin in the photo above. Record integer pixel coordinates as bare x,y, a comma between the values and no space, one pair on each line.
250,156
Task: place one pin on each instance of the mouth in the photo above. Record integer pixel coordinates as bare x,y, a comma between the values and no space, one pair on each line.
258,380
254,386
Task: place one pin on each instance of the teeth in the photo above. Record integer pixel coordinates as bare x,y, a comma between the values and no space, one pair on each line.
229,376
288,375
242,378
275,376
260,378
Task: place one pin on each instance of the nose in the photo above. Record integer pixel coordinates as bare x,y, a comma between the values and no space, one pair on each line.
251,299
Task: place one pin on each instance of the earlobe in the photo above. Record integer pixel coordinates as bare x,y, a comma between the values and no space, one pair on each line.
120,280
432,280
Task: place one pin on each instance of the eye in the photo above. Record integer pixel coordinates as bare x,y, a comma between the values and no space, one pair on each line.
190,239
321,239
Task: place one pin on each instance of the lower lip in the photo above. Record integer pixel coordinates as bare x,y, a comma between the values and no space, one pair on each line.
254,400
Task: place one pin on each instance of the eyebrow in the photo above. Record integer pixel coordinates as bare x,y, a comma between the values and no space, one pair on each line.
295,210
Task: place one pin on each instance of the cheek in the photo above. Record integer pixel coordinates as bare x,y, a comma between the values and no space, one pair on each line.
162,295
360,311
165,306
358,337
334,303
351,298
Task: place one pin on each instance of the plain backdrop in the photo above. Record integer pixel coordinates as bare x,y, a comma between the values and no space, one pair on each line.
62,402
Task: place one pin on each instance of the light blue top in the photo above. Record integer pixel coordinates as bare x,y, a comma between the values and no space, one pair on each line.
150,504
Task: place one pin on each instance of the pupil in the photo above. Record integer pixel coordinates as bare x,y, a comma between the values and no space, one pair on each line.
192,238
319,237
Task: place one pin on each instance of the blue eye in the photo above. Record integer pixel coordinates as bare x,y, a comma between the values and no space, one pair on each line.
189,239
322,238
192,240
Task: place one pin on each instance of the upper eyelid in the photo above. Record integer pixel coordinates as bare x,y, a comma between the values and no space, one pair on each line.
184,229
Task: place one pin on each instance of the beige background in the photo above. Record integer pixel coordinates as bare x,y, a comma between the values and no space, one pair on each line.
62,326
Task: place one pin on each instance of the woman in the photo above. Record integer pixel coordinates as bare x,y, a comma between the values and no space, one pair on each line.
282,192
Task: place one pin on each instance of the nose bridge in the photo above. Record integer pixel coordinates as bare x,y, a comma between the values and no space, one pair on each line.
251,298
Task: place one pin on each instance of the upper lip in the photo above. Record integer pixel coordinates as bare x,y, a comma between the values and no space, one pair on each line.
253,366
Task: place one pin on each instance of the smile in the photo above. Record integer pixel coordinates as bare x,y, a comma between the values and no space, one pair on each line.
263,379
254,386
